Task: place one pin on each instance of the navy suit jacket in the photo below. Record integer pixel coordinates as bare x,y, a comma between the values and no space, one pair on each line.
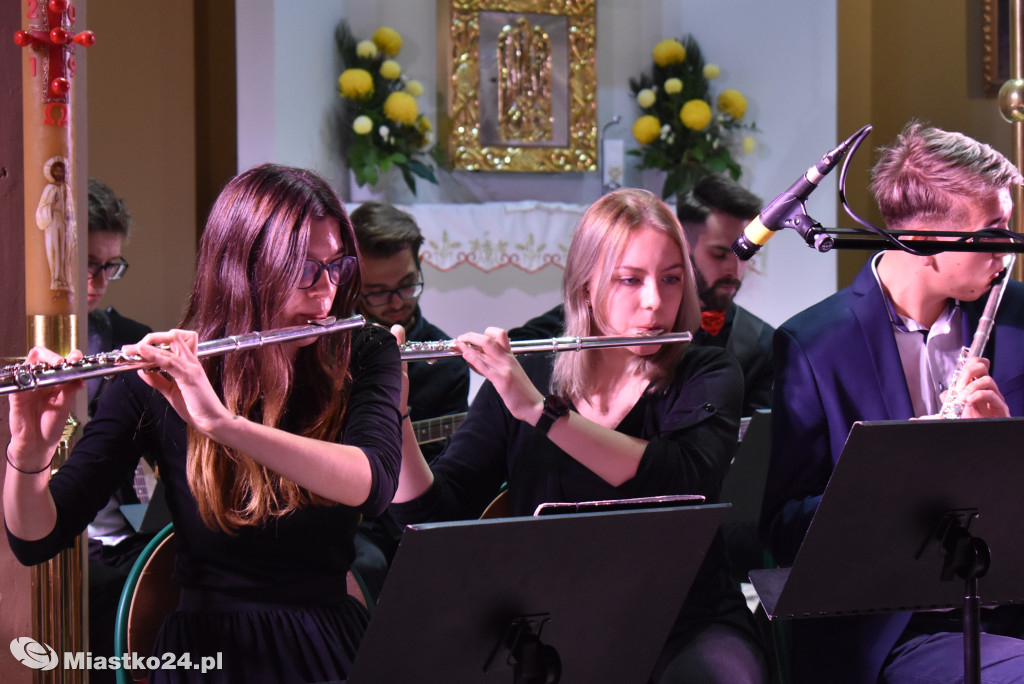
837,363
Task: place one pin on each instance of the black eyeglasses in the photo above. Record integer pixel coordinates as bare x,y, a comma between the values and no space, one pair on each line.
382,297
339,270
113,269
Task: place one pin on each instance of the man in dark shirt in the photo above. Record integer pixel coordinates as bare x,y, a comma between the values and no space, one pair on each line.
713,215
389,246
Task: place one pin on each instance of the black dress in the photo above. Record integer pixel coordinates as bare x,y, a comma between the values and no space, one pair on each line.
271,600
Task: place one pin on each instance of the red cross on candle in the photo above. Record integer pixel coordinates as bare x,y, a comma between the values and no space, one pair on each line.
49,32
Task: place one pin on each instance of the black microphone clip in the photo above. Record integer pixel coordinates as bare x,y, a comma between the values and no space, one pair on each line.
789,210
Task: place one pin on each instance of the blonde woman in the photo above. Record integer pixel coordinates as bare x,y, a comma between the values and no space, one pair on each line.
607,423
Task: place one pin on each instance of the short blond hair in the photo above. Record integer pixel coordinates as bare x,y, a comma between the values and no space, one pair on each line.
927,172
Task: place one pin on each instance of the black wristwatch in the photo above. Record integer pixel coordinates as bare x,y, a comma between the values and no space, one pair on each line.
555,407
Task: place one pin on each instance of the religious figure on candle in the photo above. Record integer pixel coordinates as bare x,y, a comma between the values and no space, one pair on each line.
55,216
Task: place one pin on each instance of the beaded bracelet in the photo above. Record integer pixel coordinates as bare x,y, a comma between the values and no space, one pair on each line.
27,472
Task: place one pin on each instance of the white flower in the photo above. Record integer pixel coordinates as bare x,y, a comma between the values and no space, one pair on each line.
384,132
362,124
366,49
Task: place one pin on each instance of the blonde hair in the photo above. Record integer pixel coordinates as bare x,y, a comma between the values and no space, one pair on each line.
927,172
596,249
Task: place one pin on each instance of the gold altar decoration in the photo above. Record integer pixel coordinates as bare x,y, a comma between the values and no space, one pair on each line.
995,49
519,83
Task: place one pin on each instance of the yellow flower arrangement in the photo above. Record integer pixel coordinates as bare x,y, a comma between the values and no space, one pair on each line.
382,126
678,129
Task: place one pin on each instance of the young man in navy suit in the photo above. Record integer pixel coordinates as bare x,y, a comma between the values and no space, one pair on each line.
884,349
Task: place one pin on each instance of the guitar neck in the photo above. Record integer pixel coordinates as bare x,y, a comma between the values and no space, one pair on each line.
436,429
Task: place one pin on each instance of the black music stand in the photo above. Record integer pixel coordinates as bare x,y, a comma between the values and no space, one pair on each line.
743,485
597,592
906,523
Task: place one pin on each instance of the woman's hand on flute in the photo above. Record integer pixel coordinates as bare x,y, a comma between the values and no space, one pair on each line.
38,417
178,375
403,404
490,355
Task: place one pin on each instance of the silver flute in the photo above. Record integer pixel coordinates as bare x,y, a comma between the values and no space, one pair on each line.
29,376
953,403
439,349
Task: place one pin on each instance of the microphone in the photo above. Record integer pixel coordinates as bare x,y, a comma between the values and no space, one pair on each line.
788,210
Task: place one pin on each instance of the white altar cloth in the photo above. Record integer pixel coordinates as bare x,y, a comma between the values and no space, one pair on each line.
528,235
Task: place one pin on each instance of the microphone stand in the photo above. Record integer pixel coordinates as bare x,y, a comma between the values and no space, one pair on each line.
826,239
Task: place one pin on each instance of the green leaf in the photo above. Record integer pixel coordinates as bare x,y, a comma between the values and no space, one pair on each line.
422,170
409,180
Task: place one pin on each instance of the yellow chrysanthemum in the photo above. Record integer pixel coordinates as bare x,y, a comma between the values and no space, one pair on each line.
749,144
355,84
362,125
711,71
366,49
390,69
695,115
401,108
645,98
733,103
669,52
646,129
388,40
423,124
414,88
673,86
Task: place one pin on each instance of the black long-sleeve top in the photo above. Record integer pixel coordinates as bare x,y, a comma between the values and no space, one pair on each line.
291,558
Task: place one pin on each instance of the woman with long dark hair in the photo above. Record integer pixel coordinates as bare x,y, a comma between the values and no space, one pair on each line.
269,456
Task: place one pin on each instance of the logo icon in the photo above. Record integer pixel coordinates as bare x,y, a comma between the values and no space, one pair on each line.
34,654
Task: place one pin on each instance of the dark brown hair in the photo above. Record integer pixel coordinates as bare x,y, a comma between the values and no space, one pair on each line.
250,259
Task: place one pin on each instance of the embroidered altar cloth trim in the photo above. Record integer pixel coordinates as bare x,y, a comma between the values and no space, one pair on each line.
488,236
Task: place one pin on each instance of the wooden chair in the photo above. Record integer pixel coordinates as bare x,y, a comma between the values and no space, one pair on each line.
498,508
148,596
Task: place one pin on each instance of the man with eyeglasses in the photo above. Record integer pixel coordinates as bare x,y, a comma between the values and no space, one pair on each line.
109,224
389,249
113,543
